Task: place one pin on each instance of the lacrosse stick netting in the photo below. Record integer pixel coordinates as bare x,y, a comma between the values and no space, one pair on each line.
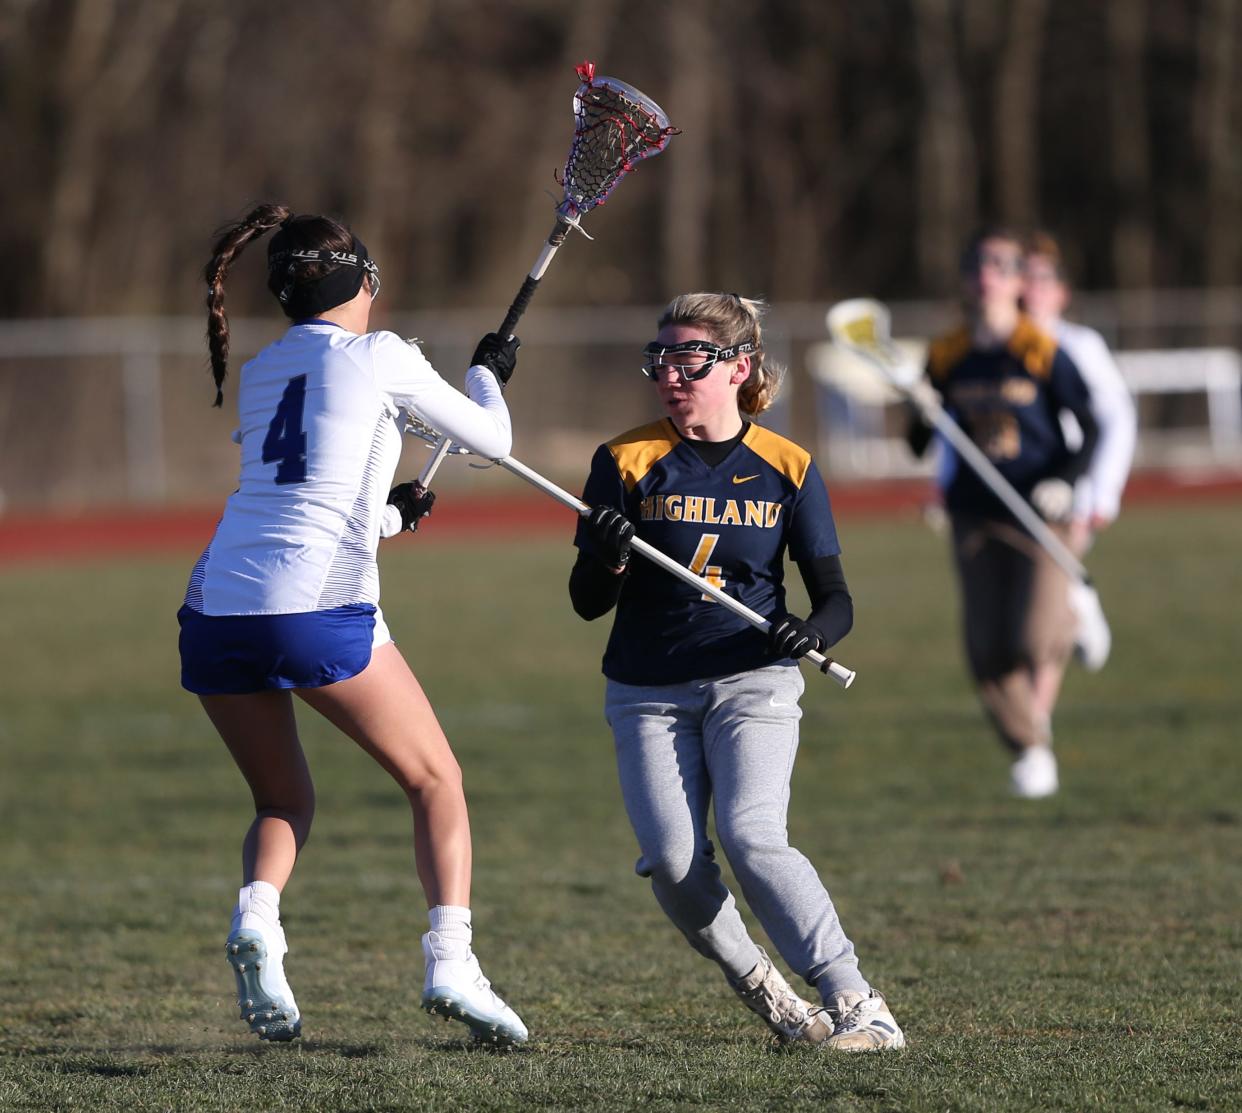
615,128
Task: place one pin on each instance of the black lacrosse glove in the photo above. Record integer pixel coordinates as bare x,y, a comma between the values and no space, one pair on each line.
792,637
414,501
497,355
612,533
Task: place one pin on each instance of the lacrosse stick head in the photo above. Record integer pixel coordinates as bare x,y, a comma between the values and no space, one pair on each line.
863,326
417,427
615,128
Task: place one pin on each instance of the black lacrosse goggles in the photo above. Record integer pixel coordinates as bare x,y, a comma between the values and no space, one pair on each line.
691,359
348,270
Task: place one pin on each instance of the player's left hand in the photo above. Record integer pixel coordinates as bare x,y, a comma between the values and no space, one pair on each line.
414,502
793,637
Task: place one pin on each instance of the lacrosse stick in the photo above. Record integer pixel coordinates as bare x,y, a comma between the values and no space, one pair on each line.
861,326
615,128
838,672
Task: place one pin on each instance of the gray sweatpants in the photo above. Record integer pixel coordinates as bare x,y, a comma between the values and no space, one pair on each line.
733,739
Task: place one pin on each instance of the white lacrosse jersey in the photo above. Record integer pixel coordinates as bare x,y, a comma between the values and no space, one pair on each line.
320,435
1099,490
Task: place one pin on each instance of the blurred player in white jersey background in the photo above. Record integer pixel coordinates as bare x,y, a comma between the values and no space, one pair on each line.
1006,382
1097,493
285,599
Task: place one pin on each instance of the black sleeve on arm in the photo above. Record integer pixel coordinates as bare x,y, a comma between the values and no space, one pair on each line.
918,432
593,589
832,609
1070,393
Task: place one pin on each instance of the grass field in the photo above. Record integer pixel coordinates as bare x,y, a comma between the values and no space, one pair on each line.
1080,953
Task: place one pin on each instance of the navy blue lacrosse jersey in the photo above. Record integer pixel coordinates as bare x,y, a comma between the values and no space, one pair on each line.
731,524
1008,400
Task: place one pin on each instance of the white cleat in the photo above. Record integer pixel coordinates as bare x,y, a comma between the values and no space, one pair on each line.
863,1023
1093,640
263,995
793,1020
1034,774
457,989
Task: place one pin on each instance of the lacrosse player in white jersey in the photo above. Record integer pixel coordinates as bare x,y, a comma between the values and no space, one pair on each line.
284,601
703,707
1097,494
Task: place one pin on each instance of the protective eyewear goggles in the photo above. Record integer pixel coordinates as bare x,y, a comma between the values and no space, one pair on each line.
692,359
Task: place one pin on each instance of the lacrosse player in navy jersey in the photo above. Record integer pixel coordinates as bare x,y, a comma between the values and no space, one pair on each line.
1097,494
1006,383
285,599
703,707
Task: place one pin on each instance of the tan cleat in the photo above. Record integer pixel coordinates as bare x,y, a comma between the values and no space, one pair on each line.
765,991
864,1023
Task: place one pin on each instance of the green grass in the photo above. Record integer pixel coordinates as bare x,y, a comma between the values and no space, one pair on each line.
1080,953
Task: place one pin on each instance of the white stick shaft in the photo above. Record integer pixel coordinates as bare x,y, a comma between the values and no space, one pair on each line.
549,249
442,446
1004,490
838,672
545,257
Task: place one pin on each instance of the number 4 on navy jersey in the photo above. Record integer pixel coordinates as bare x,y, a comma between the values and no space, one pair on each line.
285,440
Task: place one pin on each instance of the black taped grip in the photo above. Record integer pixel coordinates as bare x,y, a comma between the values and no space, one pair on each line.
518,307
559,232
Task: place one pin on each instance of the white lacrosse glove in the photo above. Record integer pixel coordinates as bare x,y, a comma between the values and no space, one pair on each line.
1054,499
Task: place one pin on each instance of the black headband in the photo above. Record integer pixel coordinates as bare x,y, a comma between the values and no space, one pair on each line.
308,297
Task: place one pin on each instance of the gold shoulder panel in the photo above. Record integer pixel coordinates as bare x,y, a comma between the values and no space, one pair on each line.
1034,347
789,459
639,450
946,352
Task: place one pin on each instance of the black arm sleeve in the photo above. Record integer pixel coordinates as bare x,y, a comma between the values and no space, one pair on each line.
918,432
1069,391
593,589
832,609
1081,460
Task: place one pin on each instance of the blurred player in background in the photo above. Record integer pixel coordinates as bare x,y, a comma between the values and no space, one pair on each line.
703,707
285,599
1097,494
1005,382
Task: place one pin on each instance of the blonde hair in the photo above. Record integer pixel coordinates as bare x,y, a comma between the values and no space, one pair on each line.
731,319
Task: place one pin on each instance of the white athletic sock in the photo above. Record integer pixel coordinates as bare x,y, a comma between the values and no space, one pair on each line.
450,931
258,905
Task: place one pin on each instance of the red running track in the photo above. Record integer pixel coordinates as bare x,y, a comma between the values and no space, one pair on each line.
29,538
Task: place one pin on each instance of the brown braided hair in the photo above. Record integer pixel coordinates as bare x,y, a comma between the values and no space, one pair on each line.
732,319
310,232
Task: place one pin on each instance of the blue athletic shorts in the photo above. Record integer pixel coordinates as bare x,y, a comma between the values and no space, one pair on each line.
239,653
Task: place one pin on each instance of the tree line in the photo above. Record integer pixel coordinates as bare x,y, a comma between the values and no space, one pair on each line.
826,148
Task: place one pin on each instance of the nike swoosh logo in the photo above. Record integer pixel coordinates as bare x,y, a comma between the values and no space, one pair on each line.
745,478
772,702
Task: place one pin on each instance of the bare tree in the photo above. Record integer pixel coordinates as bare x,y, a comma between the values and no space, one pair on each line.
106,67
687,193
1015,114
947,169
1133,243
1219,138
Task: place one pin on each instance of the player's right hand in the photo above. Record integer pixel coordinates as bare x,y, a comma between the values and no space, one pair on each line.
498,355
793,637
612,533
